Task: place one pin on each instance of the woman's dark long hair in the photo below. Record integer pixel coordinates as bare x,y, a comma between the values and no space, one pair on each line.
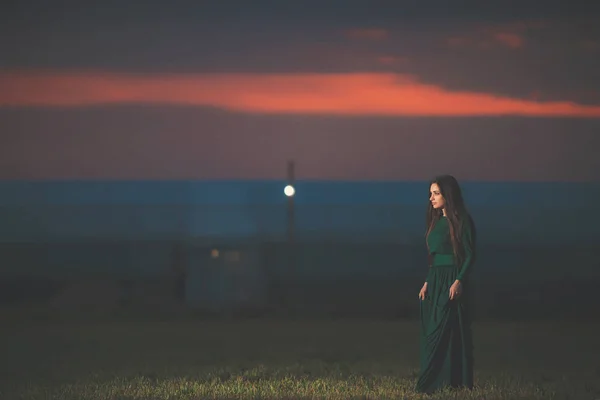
456,212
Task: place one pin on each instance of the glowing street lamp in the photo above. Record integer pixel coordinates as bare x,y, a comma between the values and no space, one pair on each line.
289,190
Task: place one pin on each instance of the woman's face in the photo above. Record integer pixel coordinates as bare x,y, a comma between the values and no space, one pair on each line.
435,196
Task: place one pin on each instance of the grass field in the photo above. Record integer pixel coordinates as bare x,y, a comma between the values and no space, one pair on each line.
259,358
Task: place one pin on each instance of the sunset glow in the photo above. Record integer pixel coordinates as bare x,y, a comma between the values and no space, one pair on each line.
509,39
348,94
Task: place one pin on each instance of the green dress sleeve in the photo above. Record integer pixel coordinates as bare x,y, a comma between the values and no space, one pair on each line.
468,242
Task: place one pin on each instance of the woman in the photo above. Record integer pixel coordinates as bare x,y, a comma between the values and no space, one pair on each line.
446,342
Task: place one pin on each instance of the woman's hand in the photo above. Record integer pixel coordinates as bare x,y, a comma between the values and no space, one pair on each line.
455,290
423,291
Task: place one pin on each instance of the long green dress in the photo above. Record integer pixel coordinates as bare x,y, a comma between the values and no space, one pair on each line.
446,342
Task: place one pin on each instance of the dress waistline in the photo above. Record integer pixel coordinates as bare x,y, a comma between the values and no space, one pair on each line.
441,260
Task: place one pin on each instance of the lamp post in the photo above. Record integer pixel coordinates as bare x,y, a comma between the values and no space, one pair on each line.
290,191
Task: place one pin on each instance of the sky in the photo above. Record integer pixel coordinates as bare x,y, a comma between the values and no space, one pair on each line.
371,90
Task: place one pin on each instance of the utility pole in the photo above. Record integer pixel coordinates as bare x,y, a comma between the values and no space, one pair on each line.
290,195
289,191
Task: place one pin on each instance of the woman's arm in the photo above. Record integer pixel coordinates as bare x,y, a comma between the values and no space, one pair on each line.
468,243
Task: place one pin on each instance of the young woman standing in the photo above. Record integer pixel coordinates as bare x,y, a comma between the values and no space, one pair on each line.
446,342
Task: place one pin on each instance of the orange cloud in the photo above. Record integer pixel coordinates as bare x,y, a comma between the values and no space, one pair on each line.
370,34
519,27
511,40
510,35
351,94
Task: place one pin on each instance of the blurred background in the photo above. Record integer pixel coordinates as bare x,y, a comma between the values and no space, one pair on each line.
144,153
245,248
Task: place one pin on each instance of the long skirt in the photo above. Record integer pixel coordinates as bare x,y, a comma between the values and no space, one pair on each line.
446,341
